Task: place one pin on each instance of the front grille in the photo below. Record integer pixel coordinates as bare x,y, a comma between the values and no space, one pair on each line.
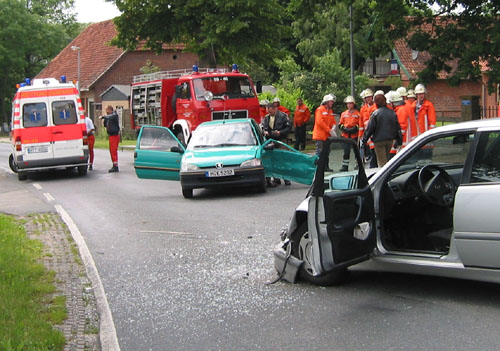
229,114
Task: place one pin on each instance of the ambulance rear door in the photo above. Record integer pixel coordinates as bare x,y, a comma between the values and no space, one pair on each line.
35,132
68,127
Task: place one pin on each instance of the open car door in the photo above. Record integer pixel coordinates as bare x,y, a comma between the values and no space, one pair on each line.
281,161
342,209
158,154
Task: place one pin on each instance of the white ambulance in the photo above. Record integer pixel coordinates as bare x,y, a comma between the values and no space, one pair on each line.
48,128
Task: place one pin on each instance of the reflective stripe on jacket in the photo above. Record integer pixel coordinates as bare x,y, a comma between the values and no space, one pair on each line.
301,115
348,120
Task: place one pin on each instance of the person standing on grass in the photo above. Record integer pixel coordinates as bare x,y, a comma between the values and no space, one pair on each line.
90,139
112,125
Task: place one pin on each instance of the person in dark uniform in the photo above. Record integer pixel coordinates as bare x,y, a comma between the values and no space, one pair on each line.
276,125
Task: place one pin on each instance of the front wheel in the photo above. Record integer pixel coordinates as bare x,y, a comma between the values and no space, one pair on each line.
302,249
187,193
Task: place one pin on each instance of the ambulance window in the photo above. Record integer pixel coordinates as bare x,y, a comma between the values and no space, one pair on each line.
64,112
34,115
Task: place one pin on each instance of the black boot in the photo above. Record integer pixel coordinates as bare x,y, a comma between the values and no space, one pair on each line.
113,169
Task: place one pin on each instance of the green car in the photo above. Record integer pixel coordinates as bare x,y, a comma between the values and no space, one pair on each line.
220,153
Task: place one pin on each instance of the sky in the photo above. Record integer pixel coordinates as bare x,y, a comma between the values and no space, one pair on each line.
94,10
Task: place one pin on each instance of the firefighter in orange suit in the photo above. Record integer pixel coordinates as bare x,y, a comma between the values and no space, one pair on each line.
276,102
263,108
425,113
300,118
349,125
405,119
324,122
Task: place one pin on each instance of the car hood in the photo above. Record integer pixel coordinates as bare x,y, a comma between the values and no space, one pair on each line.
208,157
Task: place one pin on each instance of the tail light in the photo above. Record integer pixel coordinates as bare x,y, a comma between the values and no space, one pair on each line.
19,147
85,137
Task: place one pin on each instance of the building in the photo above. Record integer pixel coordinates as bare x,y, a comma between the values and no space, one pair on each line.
100,66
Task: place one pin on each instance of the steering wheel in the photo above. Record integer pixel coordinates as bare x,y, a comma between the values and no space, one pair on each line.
438,188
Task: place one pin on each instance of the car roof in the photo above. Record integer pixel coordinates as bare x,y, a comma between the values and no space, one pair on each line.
226,121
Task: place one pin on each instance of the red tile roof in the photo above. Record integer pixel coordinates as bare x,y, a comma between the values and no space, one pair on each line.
96,55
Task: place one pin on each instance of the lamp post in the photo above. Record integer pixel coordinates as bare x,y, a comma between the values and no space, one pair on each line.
77,48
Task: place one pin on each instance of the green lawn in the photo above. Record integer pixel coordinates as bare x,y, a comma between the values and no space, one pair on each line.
28,309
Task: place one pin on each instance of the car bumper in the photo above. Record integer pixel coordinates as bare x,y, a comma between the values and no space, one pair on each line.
60,162
286,265
241,177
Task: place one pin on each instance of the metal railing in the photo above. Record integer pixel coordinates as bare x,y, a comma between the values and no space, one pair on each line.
176,73
489,111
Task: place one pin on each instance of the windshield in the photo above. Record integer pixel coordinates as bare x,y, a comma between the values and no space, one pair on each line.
222,135
230,87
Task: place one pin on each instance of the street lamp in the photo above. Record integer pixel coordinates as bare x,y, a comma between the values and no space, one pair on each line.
77,48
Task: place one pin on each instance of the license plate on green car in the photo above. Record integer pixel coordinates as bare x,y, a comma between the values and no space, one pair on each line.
220,173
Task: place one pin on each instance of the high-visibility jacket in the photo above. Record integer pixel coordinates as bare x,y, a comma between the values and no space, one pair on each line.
284,110
301,115
365,118
324,120
408,125
425,116
350,119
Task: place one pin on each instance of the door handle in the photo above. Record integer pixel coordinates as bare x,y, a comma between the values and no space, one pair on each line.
57,132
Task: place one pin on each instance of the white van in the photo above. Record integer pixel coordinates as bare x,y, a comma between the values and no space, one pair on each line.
48,128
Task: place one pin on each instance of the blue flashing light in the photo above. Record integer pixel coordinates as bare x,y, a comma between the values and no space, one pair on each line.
195,68
28,81
63,79
235,67
23,85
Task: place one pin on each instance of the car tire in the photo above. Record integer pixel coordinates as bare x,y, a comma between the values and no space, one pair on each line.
22,175
82,170
187,193
301,249
261,186
12,164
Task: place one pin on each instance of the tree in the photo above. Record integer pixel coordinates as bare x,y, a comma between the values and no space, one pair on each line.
31,33
221,32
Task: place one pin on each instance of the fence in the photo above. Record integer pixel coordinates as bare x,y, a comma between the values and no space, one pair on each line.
489,111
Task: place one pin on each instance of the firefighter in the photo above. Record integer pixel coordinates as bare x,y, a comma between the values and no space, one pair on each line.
112,125
324,122
276,102
367,96
402,91
411,97
406,122
425,113
300,118
263,108
349,125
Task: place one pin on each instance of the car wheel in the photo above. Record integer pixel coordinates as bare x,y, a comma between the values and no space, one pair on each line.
261,186
12,164
302,249
187,193
22,175
82,170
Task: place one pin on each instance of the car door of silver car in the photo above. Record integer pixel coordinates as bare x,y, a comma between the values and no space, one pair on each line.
477,204
343,225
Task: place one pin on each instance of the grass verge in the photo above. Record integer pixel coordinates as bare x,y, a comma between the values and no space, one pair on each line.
28,308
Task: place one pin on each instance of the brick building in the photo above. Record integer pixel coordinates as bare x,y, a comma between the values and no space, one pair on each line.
103,65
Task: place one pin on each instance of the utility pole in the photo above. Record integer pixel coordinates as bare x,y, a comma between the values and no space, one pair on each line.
351,49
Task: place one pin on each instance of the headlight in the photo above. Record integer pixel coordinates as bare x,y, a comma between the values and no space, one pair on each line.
189,167
254,162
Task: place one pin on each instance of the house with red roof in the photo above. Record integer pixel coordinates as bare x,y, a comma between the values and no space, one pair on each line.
98,65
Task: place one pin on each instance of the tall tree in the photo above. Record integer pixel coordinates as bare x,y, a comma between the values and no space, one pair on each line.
220,31
31,33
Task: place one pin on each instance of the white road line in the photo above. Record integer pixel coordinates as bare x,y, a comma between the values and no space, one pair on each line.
48,197
37,186
164,232
109,340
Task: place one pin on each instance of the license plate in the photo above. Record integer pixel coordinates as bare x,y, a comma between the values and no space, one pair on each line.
37,149
220,173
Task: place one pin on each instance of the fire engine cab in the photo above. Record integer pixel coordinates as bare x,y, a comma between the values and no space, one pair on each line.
48,127
182,99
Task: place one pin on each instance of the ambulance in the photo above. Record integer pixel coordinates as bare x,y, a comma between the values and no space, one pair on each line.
48,128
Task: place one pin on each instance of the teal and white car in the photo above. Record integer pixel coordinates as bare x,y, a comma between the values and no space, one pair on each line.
220,153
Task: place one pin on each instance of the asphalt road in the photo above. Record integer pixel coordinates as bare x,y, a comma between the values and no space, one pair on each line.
189,274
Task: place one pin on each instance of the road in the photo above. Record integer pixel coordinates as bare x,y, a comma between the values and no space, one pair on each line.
189,274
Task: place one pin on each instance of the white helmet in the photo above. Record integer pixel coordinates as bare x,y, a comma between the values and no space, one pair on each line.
420,89
276,99
388,96
411,93
396,97
349,98
402,91
328,97
378,92
362,94
263,102
367,93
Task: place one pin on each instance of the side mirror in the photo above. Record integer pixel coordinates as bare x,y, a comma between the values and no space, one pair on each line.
176,149
269,147
259,87
208,96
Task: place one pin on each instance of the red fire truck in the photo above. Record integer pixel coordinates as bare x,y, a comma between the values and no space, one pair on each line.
182,99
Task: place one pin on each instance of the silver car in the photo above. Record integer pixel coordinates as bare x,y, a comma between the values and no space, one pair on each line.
432,209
